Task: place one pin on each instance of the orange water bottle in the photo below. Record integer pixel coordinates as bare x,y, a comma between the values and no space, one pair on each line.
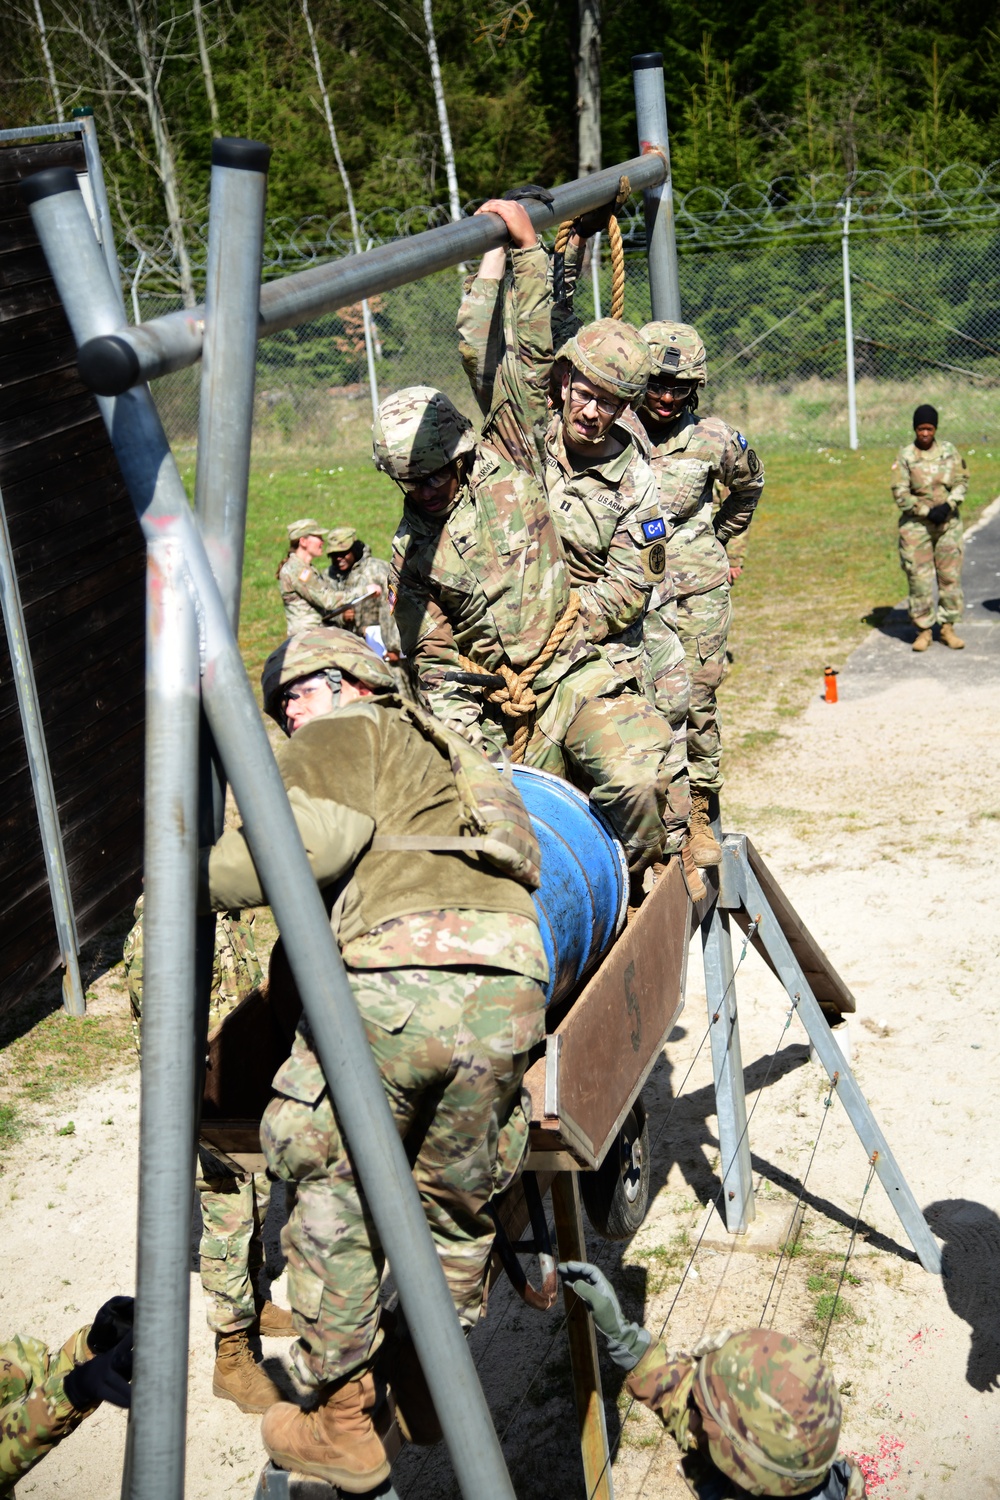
829,684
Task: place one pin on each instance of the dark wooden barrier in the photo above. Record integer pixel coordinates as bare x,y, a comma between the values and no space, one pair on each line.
80,561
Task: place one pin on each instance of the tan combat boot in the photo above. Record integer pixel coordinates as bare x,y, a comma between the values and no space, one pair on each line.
924,638
950,639
336,1441
696,887
702,841
238,1377
274,1322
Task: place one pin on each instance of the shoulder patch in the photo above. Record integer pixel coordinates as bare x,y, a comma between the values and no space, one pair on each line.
753,462
654,562
653,529
391,596
305,575
741,440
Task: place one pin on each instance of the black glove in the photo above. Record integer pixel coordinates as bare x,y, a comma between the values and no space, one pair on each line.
111,1323
104,1378
938,514
595,221
530,190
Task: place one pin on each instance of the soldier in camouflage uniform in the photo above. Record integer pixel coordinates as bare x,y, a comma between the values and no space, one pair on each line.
480,582
352,571
930,484
45,1396
233,1208
603,497
306,593
688,455
446,962
753,1413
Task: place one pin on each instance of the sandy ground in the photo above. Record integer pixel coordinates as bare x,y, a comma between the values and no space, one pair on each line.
881,818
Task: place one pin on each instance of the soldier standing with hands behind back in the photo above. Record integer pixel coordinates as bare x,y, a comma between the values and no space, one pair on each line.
930,482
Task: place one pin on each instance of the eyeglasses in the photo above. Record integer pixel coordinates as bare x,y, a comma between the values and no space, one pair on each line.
666,387
439,480
606,405
303,690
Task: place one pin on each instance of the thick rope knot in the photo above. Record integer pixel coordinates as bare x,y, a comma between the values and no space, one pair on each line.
615,246
516,699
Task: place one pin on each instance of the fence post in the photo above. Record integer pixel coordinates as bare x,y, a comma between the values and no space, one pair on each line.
41,775
661,239
356,1088
852,400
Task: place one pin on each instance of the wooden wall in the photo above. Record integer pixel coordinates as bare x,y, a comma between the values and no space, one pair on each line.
80,562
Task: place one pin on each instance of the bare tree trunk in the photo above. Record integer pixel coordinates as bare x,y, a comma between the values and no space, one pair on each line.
107,86
588,87
369,327
454,203
206,66
43,38
164,151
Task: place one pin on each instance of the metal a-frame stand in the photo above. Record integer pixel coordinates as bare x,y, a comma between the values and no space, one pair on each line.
748,892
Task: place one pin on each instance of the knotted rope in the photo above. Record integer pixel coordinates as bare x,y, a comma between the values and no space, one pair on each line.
614,244
516,698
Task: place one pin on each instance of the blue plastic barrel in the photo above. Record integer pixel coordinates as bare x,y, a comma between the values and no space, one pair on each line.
583,897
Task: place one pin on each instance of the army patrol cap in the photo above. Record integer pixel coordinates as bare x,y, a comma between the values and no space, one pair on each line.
308,527
417,432
613,355
771,1412
677,350
321,650
341,539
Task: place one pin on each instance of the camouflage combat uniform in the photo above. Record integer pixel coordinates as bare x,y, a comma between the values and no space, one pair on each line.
446,963
708,1403
35,1413
490,582
365,571
688,458
305,592
608,517
923,479
233,1208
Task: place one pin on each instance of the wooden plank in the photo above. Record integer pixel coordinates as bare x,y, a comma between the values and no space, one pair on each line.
39,425
22,330
587,1393
20,161
60,447
826,984
62,493
19,302
603,1049
18,267
17,231
26,395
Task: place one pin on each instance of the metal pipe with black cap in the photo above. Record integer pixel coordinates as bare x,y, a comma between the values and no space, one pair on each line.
355,1085
658,198
112,363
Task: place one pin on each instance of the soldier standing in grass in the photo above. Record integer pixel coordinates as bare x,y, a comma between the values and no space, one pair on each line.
353,570
930,482
306,593
689,455
233,1208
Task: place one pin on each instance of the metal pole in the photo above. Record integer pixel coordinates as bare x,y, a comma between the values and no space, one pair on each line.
132,355
727,1066
595,273
167,1124
658,198
366,315
852,400
84,118
153,480
46,806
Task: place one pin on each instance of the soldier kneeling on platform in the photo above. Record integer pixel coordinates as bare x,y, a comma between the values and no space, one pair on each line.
753,1413
427,858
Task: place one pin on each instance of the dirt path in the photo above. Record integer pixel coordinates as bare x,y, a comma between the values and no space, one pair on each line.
881,818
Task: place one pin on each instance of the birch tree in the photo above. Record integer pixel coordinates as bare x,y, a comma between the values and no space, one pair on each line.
447,150
206,66
588,88
50,72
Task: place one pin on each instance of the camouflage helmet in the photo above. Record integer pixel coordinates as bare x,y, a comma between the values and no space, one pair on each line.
320,650
676,349
613,355
341,539
419,431
298,529
771,1412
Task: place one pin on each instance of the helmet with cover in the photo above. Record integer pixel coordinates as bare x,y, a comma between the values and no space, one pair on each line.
324,649
677,351
612,355
417,432
341,539
771,1412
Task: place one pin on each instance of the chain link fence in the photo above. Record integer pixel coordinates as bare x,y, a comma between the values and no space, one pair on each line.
761,276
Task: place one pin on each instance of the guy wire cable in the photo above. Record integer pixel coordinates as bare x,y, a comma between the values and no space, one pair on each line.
850,1247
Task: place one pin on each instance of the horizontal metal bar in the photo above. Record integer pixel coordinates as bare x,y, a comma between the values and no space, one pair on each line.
30,132
112,364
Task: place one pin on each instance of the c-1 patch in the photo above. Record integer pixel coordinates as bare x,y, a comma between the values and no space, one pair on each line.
653,529
742,441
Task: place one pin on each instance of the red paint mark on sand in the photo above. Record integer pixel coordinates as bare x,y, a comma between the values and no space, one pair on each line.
882,1466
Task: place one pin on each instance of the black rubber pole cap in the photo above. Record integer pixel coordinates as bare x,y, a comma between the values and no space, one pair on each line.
647,60
246,156
46,184
108,365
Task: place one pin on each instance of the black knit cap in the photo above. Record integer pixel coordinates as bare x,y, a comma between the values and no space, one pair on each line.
924,414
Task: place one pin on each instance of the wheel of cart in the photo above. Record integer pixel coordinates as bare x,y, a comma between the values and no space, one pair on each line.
616,1196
